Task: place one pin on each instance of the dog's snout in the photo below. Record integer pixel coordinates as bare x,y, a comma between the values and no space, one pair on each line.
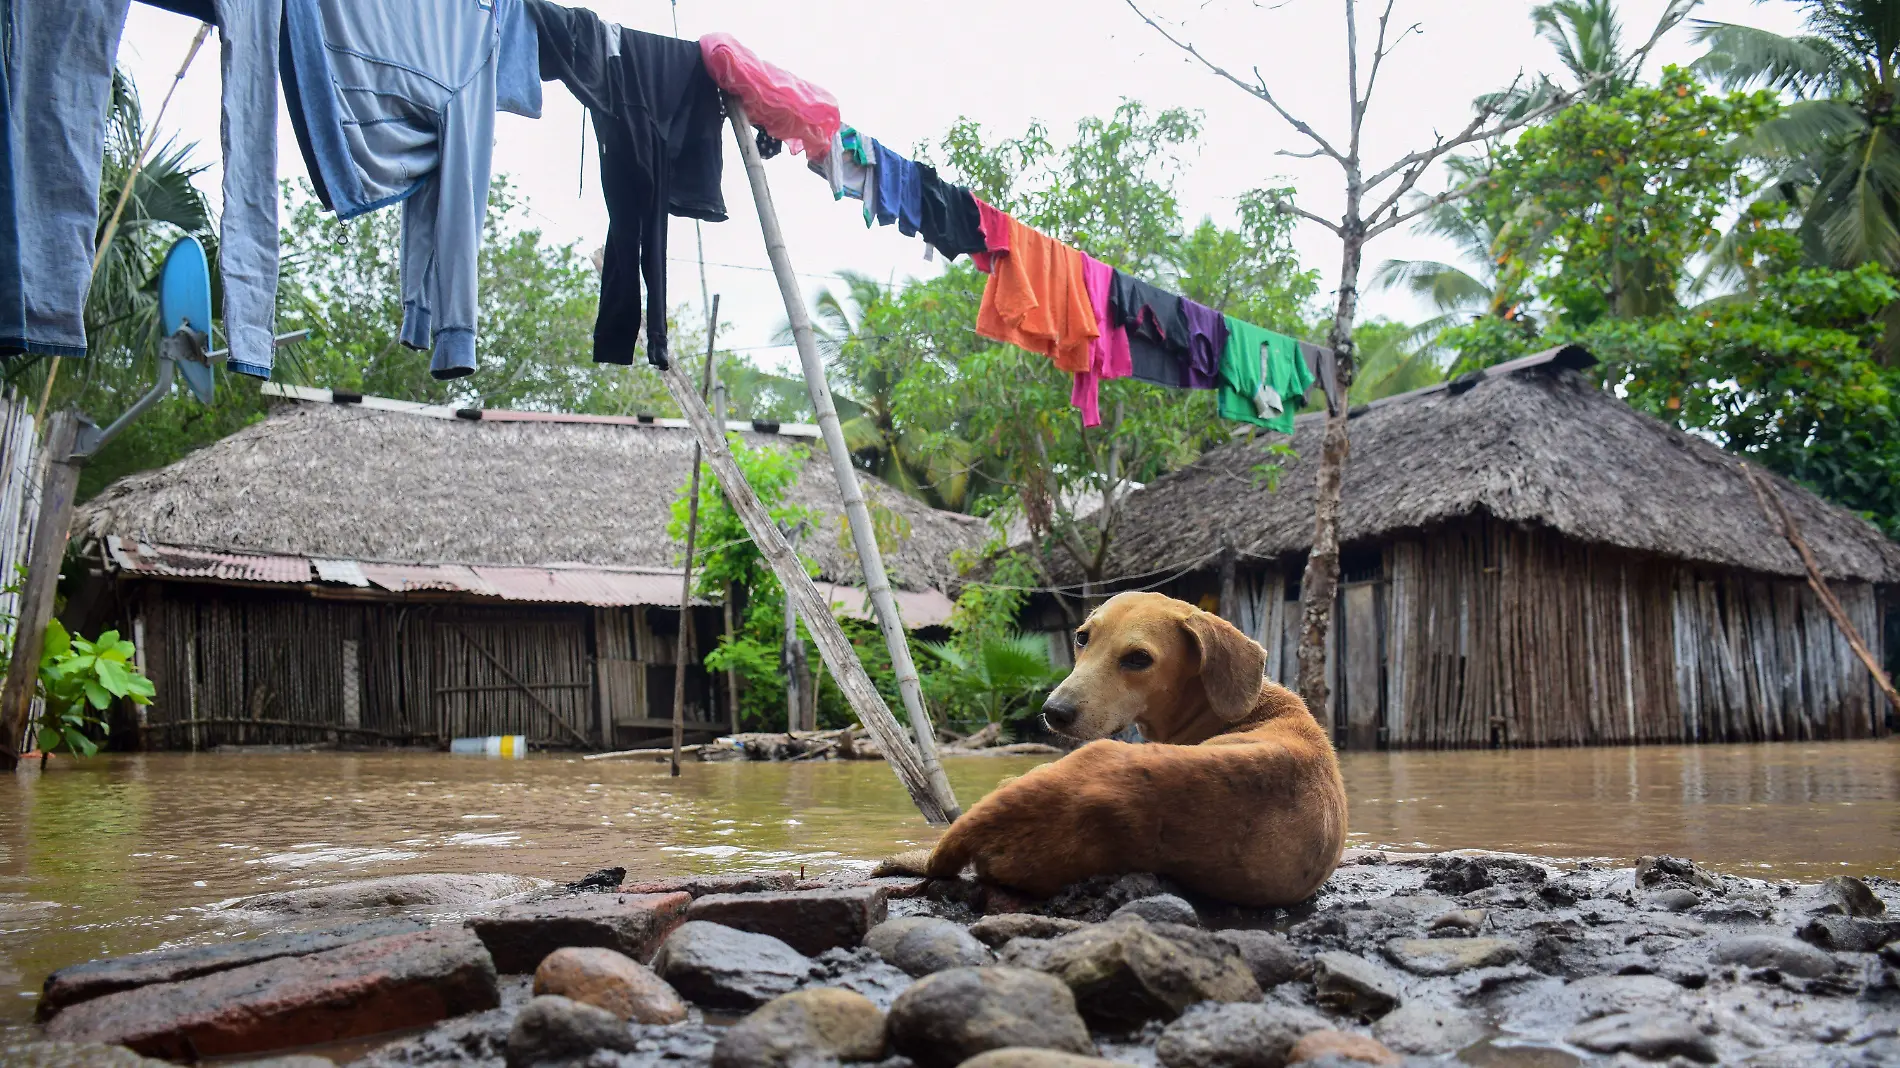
1059,711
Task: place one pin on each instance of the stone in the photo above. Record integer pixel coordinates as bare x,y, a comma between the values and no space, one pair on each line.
1449,956
1124,973
1026,953
1458,920
924,944
290,1060
1654,1036
1785,955
704,885
82,982
1849,934
861,971
381,984
520,936
725,968
1673,899
947,1018
72,1055
994,931
1270,957
810,921
557,1029
1340,1046
604,881
1020,1057
1241,1035
1161,908
391,892
1456,875
1844,895
1429,1030
1348,983
1093,899
611,981
1606,995
1653,872
808,1026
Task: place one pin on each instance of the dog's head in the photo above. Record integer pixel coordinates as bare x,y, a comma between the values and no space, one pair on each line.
1164,664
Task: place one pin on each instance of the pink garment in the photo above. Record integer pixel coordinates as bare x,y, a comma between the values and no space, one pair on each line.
1108,354
995,227
789,108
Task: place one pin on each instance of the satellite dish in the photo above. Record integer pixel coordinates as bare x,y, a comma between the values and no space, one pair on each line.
184,303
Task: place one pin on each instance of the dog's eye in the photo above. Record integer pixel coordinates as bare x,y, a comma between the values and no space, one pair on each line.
1136,660
1081,639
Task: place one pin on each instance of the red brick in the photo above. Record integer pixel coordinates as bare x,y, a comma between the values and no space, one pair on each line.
702,885
810,921
520,936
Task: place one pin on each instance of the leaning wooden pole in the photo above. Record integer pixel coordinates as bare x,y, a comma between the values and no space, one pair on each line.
44,554
686,570
863,533
836,649
1779,517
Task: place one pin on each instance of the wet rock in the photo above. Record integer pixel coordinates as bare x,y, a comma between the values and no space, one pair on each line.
1333,1046
520,936
1605,995
1847,934
1161,908
1655,872
1429,1030
947,1018
1456,875
703,885
72,1055
555,1029
1449,956
861,971
721,967
1124,973
820,1024
922,944
1018,1057
994,931
291,1060
381,984
606,880
1673,899
1348,983
466,1040
1093,900
1785,955
611,981
1271,958
394,891
1242,1035
82,982
1457,921
809,921
1844,895
1654,1036
1027,953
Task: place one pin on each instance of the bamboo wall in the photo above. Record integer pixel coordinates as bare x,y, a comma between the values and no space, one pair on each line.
19,497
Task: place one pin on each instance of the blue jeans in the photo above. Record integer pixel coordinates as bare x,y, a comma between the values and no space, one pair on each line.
247,248
398,100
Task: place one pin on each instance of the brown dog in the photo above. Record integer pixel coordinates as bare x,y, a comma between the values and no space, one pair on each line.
1242,800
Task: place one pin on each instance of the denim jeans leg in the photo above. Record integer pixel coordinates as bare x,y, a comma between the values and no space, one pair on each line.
12,298
247,253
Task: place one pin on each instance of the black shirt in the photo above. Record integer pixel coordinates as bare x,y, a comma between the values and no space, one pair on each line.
1157,329
951,222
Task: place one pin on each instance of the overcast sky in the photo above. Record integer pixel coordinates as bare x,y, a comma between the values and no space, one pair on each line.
904,72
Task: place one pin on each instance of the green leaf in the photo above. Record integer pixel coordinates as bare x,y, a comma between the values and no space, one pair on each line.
97,695
48,739
114,676
58,641
79,743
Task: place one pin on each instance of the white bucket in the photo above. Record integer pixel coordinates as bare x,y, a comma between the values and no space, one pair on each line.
505,746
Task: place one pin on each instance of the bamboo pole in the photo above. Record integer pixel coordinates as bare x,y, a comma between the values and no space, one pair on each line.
863,534
799,588
1780,518
686,571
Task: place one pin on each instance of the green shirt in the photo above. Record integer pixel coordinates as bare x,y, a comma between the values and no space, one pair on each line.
1257,357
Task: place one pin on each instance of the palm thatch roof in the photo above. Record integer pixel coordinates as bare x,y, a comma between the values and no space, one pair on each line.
350,481
1534,444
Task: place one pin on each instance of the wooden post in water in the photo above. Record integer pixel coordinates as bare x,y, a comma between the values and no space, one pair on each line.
836,649
44,554
681,646
863,533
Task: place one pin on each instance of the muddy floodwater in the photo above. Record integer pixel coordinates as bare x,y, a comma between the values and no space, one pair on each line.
125,853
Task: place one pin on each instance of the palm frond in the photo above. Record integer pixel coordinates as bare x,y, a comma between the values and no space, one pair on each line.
1740,56
1851,215
1448,288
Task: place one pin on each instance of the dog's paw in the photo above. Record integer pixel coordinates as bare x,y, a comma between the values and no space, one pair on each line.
914,862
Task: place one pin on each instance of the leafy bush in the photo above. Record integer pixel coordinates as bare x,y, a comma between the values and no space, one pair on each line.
1002,678
78,680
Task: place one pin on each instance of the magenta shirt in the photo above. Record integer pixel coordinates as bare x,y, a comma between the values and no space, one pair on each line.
1108,353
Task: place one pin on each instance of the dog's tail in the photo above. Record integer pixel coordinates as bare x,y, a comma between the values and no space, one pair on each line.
946,861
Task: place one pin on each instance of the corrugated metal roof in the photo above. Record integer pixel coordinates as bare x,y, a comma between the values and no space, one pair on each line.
919,608
173,561
342,572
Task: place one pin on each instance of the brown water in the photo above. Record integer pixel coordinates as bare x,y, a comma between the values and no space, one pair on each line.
123,853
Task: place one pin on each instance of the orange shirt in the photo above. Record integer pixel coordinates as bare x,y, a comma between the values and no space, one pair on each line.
1036,299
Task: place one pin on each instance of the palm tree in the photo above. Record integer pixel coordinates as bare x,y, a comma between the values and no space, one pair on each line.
1833,149
1002,677
1588,38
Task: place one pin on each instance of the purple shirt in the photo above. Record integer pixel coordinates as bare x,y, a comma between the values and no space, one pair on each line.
1207,339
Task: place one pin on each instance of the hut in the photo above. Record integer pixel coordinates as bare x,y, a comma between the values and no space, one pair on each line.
374,569
1526,560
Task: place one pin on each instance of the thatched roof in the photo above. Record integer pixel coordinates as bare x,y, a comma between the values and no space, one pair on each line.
356,483
1536,445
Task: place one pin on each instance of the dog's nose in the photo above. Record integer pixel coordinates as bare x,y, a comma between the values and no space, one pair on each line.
1059,711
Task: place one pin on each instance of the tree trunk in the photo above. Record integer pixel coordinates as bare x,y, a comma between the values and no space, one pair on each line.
44,556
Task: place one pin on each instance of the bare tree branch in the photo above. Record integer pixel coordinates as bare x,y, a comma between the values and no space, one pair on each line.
1258,88
1398,218
1315,154
1476,131
1380,51
1287,207
1357,108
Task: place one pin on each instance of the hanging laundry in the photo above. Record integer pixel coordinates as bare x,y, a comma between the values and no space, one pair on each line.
900,192
995,227
518,65
1157,329
1263,377
769,147
1207,339
789,108
951,222
1037,299
1320,362
1108,353
398,104
846,167
656,112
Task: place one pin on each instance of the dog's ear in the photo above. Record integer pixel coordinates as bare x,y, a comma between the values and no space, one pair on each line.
1233,666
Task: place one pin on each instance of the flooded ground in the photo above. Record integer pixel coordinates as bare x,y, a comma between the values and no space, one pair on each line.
124,853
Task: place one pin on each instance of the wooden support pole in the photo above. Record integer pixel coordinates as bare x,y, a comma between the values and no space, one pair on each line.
680,655
44,555
1783,520
863,533
836,649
